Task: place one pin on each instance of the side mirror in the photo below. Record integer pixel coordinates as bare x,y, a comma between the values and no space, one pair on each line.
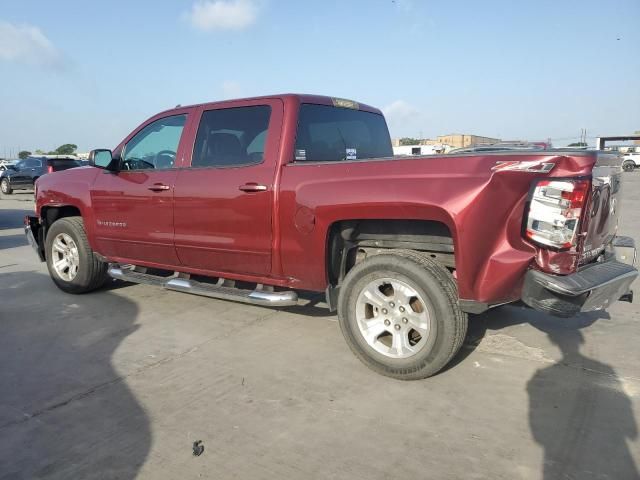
101,158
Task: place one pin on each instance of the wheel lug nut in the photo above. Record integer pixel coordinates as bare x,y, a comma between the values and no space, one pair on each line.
402,309
396,326
404,320
391,304
385,311
387,323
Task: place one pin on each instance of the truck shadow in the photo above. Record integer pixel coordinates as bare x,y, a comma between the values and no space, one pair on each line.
13,241
65,412
579,412
13,218
312,304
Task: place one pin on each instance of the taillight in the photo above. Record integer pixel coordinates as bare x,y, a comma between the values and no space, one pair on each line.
554,212
50,169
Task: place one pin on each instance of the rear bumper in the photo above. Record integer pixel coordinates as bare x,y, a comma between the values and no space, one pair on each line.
33,231
594,287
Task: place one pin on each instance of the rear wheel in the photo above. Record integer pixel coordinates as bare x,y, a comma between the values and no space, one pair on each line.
399,314
628,166
72,264
5,186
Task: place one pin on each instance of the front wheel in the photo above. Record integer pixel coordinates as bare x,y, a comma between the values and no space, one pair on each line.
5,186
628,166
72,264
399,314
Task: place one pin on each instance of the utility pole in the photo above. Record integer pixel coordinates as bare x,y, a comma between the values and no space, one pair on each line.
583,136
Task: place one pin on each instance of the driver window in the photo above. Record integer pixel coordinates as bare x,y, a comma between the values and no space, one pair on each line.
154,146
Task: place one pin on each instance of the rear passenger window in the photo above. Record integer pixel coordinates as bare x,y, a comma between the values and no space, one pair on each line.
31,163
328,134
231,137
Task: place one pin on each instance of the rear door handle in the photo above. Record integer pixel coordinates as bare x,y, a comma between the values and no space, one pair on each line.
159,187
252,187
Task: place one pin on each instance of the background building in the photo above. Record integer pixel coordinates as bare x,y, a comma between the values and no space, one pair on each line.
453,140
418,149
459,140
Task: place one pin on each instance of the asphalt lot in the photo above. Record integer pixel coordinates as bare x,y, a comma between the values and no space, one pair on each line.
120,383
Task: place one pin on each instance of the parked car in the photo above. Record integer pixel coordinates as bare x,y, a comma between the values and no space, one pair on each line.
630,161
499,147
252,200
24,173
6,165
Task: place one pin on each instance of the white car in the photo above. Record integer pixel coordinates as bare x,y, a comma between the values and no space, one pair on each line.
5,164
630,161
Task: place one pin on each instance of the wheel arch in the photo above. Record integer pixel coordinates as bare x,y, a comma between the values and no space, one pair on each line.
50,213
350,241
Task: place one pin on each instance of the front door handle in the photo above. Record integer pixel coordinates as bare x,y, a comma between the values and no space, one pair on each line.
252,187
159,187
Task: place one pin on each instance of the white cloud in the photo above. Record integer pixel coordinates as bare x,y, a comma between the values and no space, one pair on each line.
400,115
211,15
231,89
28,45
409,120
400,110
405,5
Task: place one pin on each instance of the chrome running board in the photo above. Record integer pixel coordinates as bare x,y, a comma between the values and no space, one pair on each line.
132,276
258,296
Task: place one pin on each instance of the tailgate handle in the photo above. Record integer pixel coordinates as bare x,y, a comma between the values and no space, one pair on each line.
252,187
159,187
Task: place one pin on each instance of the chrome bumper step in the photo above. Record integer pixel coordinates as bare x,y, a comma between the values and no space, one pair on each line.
258,296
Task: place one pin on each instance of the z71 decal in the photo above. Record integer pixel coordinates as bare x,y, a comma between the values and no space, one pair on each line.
532,166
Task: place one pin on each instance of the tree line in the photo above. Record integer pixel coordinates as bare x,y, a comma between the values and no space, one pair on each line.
66,149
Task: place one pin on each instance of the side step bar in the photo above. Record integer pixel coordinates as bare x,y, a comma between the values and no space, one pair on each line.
254,297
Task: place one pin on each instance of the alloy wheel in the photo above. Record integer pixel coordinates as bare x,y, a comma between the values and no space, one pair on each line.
65,257
393,318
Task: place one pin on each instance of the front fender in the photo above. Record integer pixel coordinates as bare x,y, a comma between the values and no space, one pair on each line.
69,188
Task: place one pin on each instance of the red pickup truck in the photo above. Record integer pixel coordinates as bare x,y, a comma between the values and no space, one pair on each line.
253,200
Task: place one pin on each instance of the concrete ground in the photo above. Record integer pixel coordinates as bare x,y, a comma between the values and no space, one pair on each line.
119,383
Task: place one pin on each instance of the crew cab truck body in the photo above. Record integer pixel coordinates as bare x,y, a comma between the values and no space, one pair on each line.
251,200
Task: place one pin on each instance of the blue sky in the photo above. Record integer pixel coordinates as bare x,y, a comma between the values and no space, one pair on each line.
89,72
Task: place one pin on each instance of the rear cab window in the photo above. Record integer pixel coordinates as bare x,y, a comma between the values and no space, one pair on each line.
332,134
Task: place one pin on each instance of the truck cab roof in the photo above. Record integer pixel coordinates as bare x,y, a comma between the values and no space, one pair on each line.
296,98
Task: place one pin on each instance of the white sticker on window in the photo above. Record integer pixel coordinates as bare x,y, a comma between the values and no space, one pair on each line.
301,154
351,154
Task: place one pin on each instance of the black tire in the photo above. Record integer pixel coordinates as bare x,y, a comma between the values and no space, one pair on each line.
628,166
5,186
435,285
91,274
